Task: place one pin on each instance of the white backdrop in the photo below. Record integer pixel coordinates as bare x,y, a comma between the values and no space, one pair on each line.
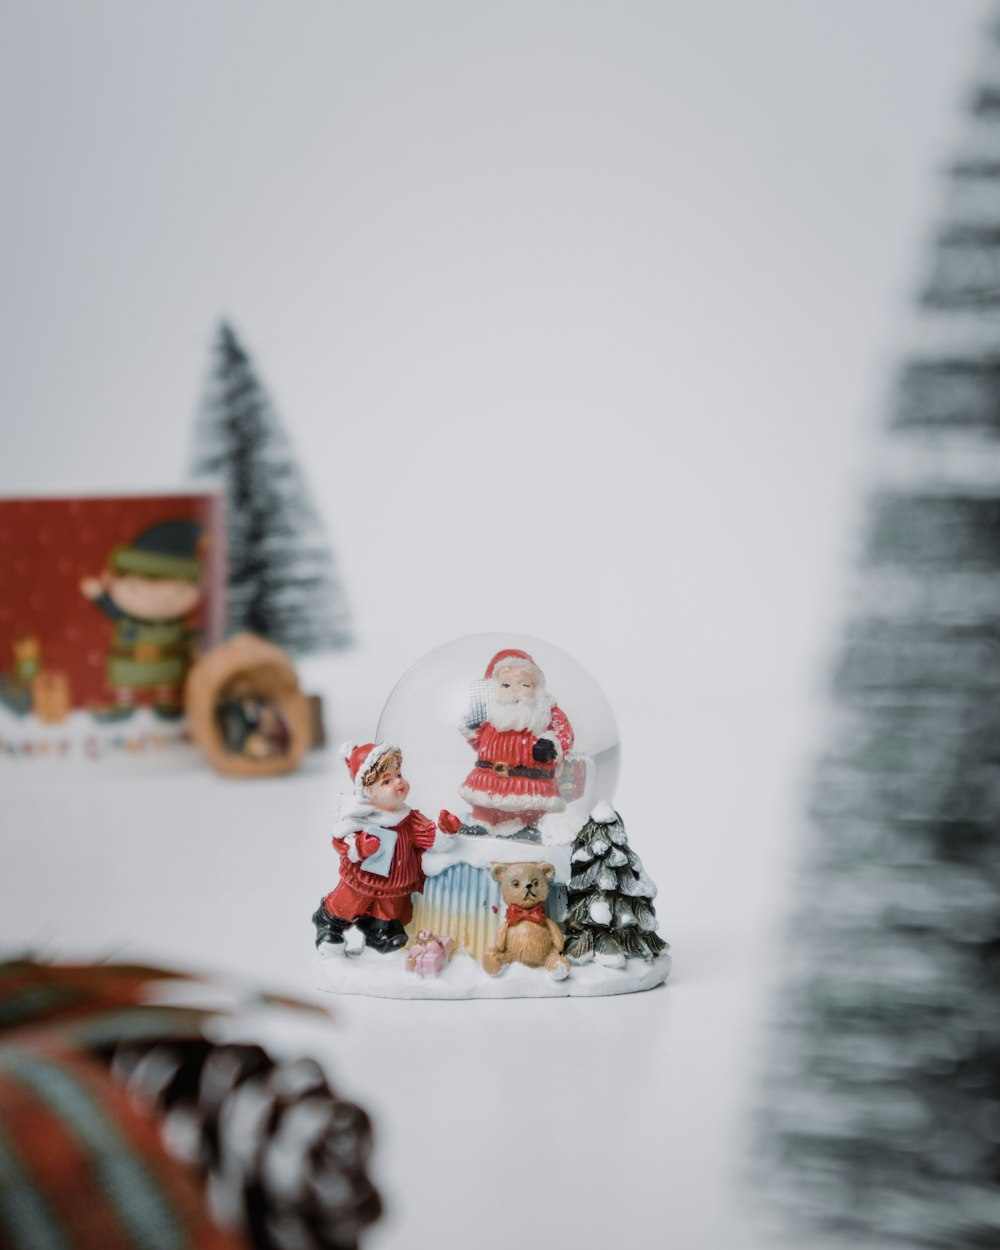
622,275
579,315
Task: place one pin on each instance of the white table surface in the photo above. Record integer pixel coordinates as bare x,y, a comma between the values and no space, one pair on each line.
590,1116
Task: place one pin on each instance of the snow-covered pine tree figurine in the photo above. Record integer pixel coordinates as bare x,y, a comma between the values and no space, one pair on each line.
283,583
610,916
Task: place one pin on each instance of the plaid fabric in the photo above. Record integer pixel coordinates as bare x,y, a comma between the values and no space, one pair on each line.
80,1168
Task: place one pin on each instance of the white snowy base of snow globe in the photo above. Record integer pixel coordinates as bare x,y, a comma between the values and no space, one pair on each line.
386,976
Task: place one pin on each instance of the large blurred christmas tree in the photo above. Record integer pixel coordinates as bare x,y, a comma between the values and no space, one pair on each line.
882,1121
283,582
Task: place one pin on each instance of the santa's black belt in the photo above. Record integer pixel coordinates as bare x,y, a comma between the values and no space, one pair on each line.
516,770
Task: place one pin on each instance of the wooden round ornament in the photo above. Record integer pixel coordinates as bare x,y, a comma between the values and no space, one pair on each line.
253,683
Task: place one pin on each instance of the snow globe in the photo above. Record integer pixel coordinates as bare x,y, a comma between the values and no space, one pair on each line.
525,884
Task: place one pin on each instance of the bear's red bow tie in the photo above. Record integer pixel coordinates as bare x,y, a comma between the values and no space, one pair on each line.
516,914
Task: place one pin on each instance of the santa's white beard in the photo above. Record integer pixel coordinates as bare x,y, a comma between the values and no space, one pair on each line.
531,714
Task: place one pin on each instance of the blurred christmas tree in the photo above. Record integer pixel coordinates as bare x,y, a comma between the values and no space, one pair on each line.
882,1122
283,582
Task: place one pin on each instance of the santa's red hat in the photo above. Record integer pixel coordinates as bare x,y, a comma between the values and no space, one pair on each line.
509,659
360,760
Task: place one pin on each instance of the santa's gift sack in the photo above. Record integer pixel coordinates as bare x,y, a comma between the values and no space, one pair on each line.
573,778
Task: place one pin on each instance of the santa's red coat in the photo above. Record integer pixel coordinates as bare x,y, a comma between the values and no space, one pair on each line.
494,783
362,893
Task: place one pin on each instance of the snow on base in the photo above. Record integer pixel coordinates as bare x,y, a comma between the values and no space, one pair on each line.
481,851
559,827
385,976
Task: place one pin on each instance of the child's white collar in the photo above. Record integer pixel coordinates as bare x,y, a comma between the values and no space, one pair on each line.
363,811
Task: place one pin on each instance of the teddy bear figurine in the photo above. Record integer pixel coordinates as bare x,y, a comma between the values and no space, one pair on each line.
526,934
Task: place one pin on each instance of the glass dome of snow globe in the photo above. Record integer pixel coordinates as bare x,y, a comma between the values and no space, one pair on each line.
466,704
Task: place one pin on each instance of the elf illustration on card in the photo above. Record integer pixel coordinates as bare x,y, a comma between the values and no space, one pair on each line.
85,684
150,588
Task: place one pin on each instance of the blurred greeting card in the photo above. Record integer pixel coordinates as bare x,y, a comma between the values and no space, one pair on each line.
105,603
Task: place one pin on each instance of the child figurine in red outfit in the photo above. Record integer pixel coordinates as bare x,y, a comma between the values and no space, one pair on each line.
381,843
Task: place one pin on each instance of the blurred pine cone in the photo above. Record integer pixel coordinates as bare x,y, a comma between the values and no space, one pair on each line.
123,1127
284,1157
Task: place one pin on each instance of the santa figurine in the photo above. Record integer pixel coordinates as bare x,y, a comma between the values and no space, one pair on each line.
381,842
520,738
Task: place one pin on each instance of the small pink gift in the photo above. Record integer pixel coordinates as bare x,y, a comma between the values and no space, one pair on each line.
429,953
